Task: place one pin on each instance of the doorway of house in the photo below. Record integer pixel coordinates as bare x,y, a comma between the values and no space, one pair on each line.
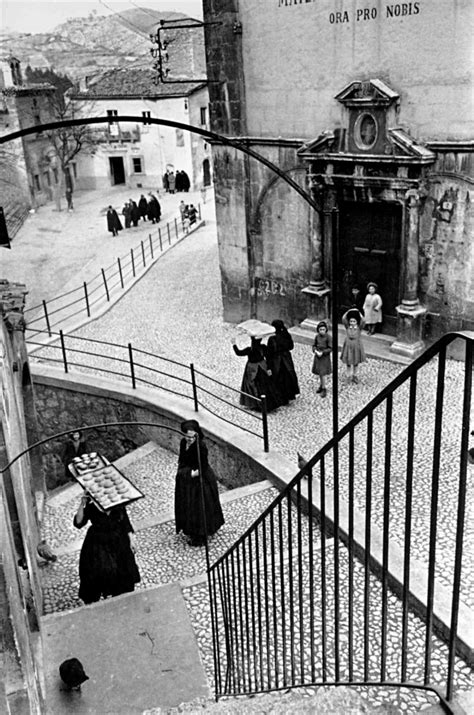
117,170
369,250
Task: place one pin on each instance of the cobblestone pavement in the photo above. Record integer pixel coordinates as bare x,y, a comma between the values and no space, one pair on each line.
176,311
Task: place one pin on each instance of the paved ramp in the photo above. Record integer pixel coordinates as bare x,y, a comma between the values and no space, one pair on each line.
139,651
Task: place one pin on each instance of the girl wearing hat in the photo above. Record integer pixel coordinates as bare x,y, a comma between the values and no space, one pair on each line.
352,353
322,347
198,512
372,308
280,362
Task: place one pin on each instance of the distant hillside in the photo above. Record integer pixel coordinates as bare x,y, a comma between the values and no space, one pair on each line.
85,46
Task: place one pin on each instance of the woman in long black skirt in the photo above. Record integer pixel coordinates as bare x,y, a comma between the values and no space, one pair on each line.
107,564
196,522
280,362
257,379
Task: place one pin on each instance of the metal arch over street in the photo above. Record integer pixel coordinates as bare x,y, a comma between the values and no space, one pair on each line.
243,147
220,138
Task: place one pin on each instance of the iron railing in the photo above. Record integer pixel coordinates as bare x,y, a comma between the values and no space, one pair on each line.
108,283
340,580
137,366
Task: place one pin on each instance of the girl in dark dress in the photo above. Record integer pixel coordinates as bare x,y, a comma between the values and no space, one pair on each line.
280,362
75,446
256,380
190,517
322,348
107,564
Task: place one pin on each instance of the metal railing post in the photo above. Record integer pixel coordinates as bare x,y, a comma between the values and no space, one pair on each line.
46,318
87,300
105,284
143,254
133,262
120,271
265,423
199,211
169,233
132,366
151,245
159,238
193,382
63,350
176,227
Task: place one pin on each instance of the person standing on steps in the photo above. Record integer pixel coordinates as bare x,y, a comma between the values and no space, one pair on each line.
372,308
322,348
353,353
197,508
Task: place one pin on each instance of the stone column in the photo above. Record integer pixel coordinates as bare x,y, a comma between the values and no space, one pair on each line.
410,313
317,290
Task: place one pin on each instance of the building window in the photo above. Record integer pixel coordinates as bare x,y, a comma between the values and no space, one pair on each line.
37,119
47,177
137,165
37,182
203,115
146,115
112,112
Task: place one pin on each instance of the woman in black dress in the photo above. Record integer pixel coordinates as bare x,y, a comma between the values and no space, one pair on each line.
257,380
280,362
190,517
107,564
75,446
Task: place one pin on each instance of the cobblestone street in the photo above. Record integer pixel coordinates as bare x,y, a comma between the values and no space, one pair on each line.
175,311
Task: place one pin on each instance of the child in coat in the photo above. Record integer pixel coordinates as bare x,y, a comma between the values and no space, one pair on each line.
353,353
322,348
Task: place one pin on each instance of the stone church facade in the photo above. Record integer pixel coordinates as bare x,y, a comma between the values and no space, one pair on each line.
370,110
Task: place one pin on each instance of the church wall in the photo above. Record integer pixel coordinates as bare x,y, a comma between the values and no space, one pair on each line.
298,55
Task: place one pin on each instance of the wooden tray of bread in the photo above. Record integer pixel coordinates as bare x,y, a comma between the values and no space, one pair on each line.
106,484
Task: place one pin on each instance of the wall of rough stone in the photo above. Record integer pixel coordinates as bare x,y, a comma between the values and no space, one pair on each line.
65,403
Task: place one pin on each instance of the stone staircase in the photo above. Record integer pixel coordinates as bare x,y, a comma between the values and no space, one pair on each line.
151,651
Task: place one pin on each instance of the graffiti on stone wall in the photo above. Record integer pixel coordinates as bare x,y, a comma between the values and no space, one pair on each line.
266,287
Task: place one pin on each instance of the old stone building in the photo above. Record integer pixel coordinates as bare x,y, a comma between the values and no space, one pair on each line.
138,154
368,106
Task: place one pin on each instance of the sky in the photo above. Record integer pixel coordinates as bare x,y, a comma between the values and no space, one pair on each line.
42,15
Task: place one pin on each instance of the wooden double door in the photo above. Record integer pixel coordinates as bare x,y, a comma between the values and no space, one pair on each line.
369,250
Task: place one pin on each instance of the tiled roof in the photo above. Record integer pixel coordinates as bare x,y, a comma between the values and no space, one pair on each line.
132,83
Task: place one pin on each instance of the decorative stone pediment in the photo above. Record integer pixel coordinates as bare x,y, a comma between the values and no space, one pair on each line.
398,145
367,93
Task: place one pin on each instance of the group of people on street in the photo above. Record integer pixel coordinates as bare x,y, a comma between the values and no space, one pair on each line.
173,183
270,369
146,209
188,214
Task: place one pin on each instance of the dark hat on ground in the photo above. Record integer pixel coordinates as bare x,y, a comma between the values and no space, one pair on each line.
72,673
372,284
191,425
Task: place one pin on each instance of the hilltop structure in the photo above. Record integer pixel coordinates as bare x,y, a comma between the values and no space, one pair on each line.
369,109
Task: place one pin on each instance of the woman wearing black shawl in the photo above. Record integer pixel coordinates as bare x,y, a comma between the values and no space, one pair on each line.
280,362
190,517
257,379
